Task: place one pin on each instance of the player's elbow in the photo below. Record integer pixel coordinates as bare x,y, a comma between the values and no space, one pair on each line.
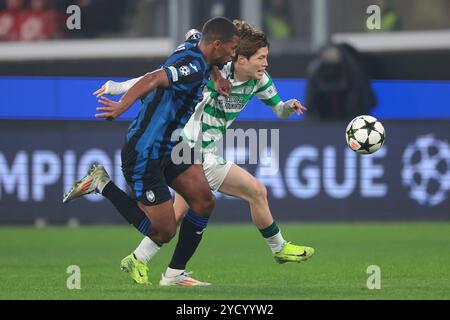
150,80
157,79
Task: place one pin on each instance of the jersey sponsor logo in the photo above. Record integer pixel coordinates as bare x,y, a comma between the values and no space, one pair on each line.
231,103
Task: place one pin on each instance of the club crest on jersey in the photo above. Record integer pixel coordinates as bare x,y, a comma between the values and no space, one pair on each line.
150,196
185,71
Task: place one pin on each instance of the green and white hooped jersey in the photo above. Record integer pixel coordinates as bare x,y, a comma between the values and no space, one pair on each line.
215,113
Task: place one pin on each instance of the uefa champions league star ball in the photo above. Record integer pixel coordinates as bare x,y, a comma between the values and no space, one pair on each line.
365,134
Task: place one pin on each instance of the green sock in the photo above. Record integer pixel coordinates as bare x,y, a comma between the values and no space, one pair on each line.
273,237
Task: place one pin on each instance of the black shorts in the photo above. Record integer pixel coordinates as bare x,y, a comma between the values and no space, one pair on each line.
149,178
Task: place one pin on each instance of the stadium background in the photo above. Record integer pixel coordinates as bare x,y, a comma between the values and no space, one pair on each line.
49,137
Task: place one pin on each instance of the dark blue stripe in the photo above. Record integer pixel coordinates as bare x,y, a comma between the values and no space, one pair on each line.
196,220
141,226
147,227
136,156
144,226
151,139
179,122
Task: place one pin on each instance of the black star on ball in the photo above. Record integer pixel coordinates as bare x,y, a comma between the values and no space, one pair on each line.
365,145
370,126
351,133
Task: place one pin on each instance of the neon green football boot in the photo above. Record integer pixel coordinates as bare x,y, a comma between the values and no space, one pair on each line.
293,253
137,270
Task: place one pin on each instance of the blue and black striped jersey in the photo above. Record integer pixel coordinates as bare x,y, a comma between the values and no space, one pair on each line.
165,110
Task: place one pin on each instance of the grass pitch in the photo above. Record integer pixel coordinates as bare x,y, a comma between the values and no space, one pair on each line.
414,259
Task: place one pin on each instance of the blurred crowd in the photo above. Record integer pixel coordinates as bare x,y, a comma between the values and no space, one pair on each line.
31,20
22,20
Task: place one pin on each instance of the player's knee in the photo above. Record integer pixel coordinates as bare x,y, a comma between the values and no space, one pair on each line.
211,203
163,232
166,234
205,206
259,192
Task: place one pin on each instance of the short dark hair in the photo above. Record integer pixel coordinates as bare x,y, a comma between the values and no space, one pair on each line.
219,28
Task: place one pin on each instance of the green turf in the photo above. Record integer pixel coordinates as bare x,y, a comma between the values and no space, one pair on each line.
414,260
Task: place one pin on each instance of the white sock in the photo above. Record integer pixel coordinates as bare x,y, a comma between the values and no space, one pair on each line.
276,242
101,185
146,250
173,272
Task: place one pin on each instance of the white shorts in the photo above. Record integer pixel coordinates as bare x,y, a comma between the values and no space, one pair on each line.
216,169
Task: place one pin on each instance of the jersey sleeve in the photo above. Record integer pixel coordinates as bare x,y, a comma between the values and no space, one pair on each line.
267,92
185,74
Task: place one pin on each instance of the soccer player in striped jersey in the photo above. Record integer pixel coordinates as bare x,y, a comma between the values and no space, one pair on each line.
169,96
212,116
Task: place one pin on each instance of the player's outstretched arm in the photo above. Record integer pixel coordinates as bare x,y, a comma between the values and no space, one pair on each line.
112,109
268,94
113,88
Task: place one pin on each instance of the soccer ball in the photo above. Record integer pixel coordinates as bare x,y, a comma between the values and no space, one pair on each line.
365,134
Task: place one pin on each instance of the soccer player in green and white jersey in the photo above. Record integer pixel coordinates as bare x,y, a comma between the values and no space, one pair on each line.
248,77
